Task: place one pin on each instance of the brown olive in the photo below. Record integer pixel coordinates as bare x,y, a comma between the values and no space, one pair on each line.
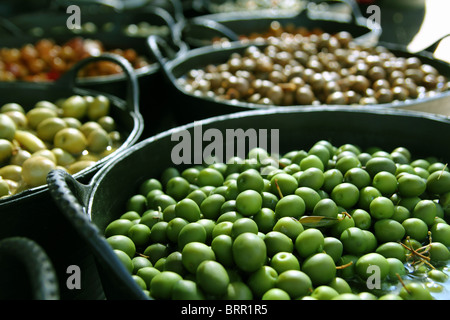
275,94
376,73
304,96
352,97
429,81
384,95
360,84
337,97
399,93
381,83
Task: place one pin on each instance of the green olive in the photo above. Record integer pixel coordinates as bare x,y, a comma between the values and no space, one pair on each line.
4,188
80,165
19,157
7,127
108,123
46,104
35,170
71,140
89,126
72,122
45,153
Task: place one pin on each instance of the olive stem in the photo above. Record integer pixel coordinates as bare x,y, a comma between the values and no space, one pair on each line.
403,284
442,171
278,188
344,265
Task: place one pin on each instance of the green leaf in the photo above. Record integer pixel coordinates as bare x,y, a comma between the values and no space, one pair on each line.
318,221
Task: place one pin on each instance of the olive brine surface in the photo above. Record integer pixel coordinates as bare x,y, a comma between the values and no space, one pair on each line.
329,222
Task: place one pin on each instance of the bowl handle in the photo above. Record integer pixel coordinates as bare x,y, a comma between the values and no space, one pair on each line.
70,196
41,275
212,25
155,43
69,78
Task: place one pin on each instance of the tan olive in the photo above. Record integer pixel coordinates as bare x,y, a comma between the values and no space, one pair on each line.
19,118
63,158
80,165
45,153
98,140
7,127
70,139
29,141
47,129
11,172
37,115
98,108
19,157
6,150
12,107
35,170
74,106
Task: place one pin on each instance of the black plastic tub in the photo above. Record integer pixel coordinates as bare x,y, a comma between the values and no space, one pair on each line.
201,30
190,106
110,31
91,207
31,213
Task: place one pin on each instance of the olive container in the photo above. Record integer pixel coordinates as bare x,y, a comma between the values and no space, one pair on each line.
190,106
110,30
26,271
31,213
201,30
91,207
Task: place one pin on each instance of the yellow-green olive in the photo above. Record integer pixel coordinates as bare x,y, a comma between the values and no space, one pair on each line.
72,122
12,107
19,157
45,153
29,141
19,118
47,129
108,123
47,104
87,156
98,108
98,140
35,170
11,172
63,158
89,126
6,150
7,127
4,188
80,165
70,139
37,115
74,106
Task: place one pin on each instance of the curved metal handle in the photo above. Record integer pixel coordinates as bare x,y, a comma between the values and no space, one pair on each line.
11,28
212,25
432,48
132,96
154,43
69,195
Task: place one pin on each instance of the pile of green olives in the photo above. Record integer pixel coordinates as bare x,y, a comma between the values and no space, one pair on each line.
71,134
315,69
324,223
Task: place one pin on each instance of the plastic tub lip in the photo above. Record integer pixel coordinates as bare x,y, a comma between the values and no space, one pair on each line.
180,60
